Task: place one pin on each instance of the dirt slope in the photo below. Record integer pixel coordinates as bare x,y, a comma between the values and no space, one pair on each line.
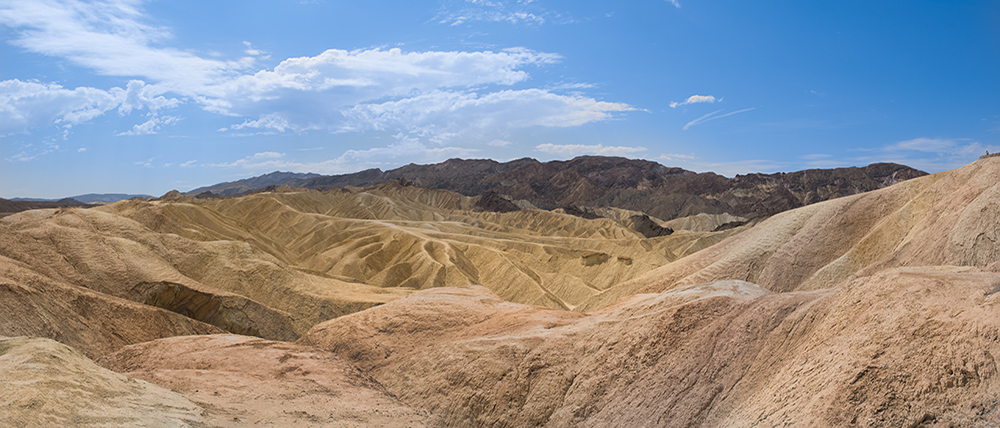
887,350
92,322
241,381
46,383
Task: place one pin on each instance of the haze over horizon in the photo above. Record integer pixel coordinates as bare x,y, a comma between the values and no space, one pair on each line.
132,96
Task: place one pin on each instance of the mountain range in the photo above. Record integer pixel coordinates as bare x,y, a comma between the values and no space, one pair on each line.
597,181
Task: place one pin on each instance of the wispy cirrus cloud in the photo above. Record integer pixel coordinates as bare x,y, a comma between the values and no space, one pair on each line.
714,115
931,154
695,99
936,154
726,168
403,148
573,150
458,12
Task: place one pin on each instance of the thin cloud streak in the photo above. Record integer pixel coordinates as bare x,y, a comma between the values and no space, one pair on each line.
573,150
711,116
403,150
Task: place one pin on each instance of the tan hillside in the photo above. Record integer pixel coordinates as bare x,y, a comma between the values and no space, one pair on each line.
94,323
246,381
872,310
949,218
702,222
274,264
94,280
893,349
46,383
401,236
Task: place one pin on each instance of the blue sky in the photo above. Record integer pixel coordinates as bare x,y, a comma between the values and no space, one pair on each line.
132,96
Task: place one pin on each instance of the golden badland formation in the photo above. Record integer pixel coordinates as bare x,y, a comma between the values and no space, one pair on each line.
398,305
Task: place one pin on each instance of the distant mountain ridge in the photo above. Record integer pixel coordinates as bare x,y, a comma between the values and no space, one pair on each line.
599,181
106,198
8,207
239,187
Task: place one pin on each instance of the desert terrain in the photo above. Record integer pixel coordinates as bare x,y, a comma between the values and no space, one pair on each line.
795,300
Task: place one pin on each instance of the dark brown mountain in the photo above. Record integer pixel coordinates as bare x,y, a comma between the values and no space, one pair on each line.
640,185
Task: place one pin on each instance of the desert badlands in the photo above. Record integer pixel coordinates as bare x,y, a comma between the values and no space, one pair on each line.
404,306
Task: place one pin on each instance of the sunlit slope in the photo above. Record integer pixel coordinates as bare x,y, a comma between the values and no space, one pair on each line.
893,349
105,254
47,384
949,218
405,236
247,381
92,322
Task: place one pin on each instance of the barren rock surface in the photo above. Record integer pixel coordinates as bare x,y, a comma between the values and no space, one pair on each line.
45,383
247,381
893,349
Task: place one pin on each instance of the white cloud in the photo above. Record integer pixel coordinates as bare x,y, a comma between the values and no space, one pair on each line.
81,150
675,157
151,126
498,143
925,153
712,116
572,86
252,51
111,38
435,95
268,121
694,99
404,150
676,3
445,115
267,155
138,95
325,84
189,164
25,105
573,150
730,169
509,11
935,145
146,163
935,154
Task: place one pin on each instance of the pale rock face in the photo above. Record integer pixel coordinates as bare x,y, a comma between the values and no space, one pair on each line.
247,381
46,383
